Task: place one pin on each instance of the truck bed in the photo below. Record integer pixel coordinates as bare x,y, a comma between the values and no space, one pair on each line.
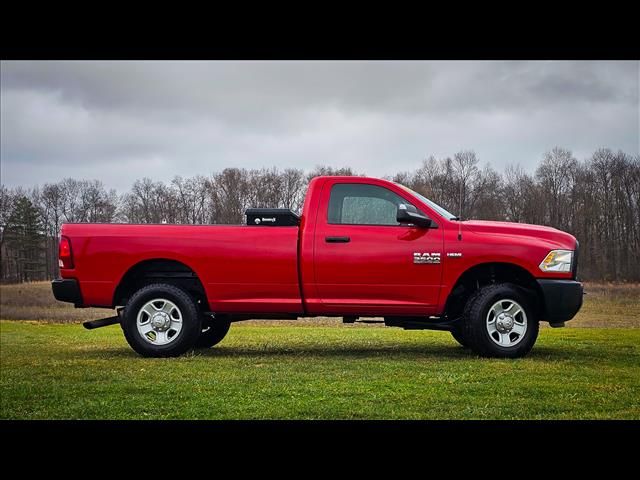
242,268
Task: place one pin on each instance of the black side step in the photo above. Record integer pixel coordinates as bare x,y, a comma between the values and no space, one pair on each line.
354,319
418,323
103,322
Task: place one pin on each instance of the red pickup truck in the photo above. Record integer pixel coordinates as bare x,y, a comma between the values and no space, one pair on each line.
362,247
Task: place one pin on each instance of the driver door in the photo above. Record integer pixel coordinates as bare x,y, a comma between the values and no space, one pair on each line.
365,261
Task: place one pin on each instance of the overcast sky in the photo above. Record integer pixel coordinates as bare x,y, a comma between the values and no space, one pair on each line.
119,121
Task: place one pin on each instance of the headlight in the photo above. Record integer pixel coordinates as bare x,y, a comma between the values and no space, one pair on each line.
557,261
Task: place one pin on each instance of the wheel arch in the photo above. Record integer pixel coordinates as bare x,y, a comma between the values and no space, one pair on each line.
160,270
486,273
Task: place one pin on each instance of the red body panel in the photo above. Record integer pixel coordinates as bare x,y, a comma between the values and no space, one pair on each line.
243,269
264,269
374,273
490,242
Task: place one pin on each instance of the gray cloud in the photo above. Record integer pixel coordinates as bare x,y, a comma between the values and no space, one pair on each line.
118,121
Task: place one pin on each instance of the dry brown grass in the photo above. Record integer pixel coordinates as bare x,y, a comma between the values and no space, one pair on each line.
605,305
609,305
35,301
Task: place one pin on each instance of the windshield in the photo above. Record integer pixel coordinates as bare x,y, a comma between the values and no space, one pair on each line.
441,211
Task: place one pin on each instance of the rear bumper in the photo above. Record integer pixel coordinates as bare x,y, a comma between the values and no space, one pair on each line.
562,299
67,290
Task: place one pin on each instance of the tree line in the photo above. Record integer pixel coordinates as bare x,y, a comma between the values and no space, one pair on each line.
597,199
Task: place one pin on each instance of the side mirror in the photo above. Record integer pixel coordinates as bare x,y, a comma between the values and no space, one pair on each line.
409,214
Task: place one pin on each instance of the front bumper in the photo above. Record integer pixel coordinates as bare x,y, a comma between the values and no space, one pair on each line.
562,299
67,290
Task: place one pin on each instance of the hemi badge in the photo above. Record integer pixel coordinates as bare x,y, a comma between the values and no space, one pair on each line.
454,254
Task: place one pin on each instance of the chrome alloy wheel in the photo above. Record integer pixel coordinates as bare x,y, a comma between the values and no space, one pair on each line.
506,323
159,321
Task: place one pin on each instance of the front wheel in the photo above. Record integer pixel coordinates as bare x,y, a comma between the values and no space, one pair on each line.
498,322
161,320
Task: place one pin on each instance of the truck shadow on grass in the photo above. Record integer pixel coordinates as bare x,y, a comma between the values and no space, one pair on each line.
408,352
382,352
339,351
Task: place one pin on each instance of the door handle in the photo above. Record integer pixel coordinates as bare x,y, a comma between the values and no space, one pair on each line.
337,239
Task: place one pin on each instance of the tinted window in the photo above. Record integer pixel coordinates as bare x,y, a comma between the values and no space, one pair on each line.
360,204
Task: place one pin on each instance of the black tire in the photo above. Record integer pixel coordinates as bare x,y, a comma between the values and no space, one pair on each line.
212,334
458,334
474,320
191,322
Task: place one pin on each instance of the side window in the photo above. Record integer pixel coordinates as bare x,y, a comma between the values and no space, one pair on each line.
361,204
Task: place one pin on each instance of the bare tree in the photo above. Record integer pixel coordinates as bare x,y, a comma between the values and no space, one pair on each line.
191,199
321,170
96,204
230,194
486,198
465,167
556,175
515,193
70,190
264,188
293,188
149,202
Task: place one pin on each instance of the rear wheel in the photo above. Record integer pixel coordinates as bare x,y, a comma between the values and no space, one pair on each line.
161,320
458,334
498,322
212,334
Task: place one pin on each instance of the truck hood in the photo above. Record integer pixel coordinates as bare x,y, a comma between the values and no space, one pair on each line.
553,235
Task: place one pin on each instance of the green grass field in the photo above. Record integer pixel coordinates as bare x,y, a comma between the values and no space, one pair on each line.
316,369
61,371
